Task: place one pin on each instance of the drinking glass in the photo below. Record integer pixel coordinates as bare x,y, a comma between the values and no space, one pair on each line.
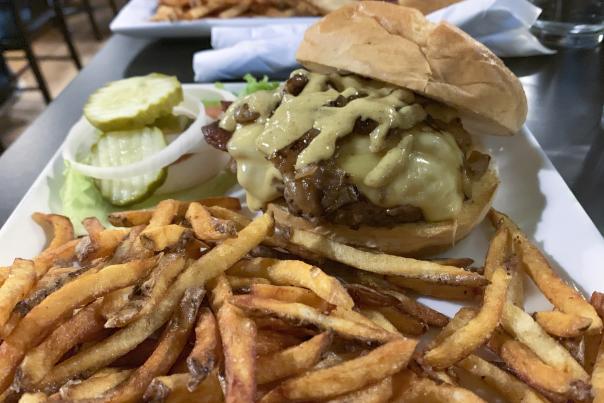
570,23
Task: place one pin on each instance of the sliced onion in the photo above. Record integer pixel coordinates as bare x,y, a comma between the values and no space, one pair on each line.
83,136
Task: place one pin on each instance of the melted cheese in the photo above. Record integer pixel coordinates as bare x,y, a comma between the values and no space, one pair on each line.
420,167
428,176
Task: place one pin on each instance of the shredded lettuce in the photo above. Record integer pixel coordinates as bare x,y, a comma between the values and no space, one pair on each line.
80,198
254,85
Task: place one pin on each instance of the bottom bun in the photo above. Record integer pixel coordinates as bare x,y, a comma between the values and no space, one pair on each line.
409,239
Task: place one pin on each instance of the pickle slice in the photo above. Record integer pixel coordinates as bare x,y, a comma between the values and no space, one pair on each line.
133,102
123,148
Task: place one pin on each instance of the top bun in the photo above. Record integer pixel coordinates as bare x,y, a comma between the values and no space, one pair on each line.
397,45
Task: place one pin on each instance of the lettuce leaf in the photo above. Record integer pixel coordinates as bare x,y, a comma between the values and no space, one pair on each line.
254,85
81,198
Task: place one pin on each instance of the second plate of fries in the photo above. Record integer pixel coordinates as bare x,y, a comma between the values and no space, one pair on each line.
187,18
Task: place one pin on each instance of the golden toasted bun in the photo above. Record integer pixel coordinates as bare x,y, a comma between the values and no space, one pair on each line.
398,45
427,6
410,239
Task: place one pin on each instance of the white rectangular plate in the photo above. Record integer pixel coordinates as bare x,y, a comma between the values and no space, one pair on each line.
531,192
134,19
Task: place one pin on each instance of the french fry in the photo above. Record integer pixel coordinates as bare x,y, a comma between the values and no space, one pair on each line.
346,377
274,241
238,333
221,292
173,389
206,227
163,237
564,297
115,300
37,397
59,226
134,218
38,361
163,214
367,296
466,339
353,316
597,375
528,367
20,280
150,292
4,271
100,245
245,283
49,283
463,262
294,273
404,323
257,267
269,341
291,361
385,264
441,291
511,388
131,218
173,340
202,359
560,324
499,250
409,388
131,248
524,328
210,265
58,305
560,294
58,255
379,319
236,10
521,325
300,274
95,386
403,302
461,319
290,294
279,325
591,344
301,313
380,392
597,301
500,254
93,226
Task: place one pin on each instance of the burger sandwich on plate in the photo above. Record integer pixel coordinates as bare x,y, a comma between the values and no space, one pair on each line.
374,142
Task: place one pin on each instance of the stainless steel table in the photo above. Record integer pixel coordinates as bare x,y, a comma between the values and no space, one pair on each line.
565,93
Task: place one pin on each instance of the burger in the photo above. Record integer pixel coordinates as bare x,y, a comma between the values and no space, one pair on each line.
374,142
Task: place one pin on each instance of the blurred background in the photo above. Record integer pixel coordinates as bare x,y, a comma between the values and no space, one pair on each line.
86,26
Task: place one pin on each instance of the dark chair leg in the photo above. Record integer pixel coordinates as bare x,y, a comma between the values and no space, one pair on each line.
31,58
33,63
93,24
113,7
60,19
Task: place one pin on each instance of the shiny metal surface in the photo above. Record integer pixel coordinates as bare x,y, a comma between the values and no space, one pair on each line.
565,93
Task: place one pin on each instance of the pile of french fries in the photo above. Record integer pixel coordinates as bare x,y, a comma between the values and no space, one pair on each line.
174,10
194,301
